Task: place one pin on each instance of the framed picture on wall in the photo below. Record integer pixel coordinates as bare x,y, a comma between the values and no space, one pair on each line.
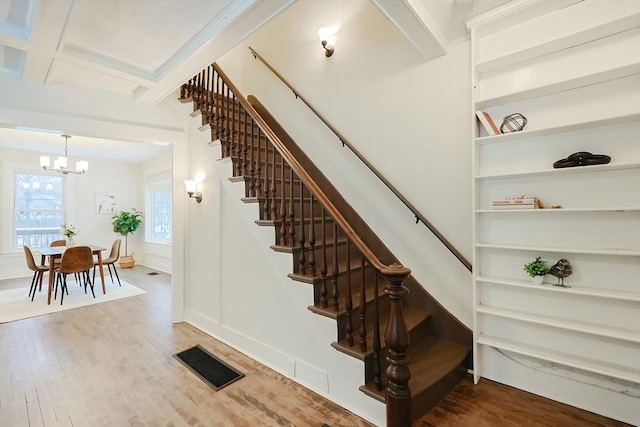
105,203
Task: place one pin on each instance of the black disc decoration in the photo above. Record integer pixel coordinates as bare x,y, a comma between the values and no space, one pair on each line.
582,158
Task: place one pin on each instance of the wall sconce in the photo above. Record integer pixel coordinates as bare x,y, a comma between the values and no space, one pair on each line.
327,38
192,186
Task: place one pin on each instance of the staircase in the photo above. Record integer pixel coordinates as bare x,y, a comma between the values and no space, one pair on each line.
413,351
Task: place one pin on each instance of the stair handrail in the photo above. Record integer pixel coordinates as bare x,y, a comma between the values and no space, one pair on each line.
304,176
419,216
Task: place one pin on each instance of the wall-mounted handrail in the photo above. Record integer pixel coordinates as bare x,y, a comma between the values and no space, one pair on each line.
419,217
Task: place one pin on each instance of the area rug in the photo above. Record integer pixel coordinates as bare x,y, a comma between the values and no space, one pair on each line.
15,303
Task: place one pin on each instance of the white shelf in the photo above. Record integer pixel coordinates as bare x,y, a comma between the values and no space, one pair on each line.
578,82
558,211
608,252
586,364
576,169
573,290
537,133
559,36
556,322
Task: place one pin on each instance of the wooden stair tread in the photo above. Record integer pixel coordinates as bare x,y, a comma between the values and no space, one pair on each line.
342,270
292,249
413,318
432,360
330,312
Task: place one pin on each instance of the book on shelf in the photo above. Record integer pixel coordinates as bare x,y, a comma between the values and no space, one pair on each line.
524,201
513,206
488,123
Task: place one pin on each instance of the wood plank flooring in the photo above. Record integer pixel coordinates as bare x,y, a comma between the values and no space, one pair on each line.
112,365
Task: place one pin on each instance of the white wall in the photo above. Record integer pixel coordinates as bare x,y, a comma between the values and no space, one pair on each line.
408,118
119,179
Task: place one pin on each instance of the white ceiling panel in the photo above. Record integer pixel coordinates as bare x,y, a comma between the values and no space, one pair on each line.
141,33
70,73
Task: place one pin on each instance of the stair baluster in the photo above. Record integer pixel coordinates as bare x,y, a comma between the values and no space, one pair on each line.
349,301
323,268
292,214
252,163
209,109
228,135
377,370
245,149
283,206
334,274
239,141
312,238
258,171
266,187
213,118
362,315
272,191
301,258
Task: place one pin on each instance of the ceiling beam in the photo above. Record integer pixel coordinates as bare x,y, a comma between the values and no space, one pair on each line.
49,23
412,19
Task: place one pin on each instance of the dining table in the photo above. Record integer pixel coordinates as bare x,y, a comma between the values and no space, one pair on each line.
54,252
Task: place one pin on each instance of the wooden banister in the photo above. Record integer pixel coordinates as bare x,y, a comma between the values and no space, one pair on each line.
304,177
419,217
218,110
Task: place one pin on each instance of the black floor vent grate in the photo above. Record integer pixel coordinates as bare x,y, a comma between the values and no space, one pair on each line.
209,368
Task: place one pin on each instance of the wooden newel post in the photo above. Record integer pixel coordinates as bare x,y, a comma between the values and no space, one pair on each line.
397,339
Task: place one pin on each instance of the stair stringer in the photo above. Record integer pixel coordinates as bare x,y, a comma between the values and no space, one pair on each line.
333,375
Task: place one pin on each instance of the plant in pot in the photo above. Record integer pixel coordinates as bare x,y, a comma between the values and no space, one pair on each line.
536,269
127,223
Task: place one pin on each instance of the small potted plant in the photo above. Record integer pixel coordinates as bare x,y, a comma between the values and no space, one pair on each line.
69,231
536,269
126,223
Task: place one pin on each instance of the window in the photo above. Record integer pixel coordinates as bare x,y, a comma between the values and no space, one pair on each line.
160,216
38,209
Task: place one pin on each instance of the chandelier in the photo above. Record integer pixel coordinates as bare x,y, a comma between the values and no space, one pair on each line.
60,164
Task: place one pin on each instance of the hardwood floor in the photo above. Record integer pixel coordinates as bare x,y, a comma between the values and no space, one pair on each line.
112,365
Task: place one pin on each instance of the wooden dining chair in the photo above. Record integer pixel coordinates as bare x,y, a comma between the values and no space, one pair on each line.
110,261
38,271
62,242
77,259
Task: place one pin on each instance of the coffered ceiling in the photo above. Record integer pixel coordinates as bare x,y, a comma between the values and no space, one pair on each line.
145,49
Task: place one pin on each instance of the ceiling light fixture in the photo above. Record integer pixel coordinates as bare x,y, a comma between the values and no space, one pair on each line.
60,164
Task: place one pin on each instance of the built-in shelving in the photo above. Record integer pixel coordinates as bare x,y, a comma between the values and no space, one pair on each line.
580,169
558,211
577,83
560,323
565,250
573,290
593,24
574,83
584,363
557,130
